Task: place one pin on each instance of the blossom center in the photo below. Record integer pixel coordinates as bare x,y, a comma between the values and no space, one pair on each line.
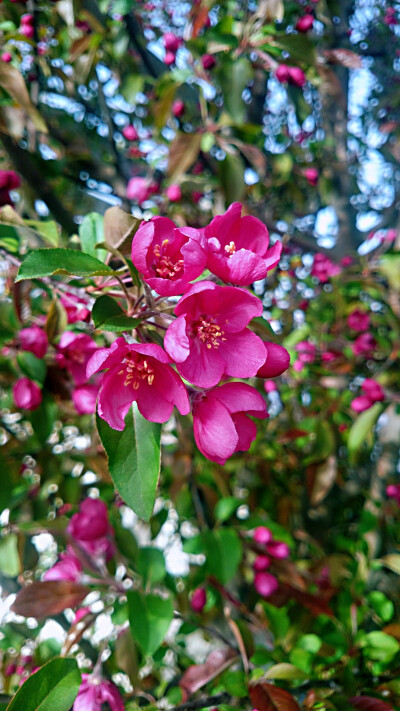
164,266
136,372
209,332
230,249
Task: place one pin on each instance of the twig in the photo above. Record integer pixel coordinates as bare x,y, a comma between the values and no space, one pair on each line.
204,703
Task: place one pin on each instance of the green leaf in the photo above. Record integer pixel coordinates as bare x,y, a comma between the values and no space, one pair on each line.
224,553
91,232
298,46
107,315
233,77
134,460
53,686
361,428
381,605
149,617
43,418
231,175
389,266
226,507
380,646
151,565
9,559
285,671
34,368
44,262
47,229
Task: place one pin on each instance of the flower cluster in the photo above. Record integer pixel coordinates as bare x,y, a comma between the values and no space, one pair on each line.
209,340
265,583
93,534
373,392
96,691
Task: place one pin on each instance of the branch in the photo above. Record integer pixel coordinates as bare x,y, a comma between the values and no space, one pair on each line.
24,164
204,703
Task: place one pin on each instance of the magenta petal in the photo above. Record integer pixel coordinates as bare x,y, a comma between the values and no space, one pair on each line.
245,267
176,342
246,429
173,389
278,360
141,244
240,397
361,403
243,353
150,349
214,431
202,367
115,399
152,404
106,357
273,255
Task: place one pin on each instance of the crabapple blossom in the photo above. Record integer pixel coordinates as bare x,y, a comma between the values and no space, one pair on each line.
277,549
94,692
73,353
76,309
265,583
137,373
220,423
373,393
208,61
209,339
140,189
262,562
68,567
238,247
198,599
178,108
393,491
358,320
27,395
130,133
304,23
6,57
168,257
91,529
323,268
9,180
262,535
311,175
174,193
277,361
84,398
364,344
171,42
34,340
169,58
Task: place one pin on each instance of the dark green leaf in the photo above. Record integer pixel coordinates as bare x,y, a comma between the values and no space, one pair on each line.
151,565
231,174
234,76
106,314
44,262
91,232
134,459
224,553
34,368
53,687
149,617
362,427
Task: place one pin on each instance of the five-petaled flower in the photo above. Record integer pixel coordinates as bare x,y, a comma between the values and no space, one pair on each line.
209,339
96,691
137,372
238,247
168,257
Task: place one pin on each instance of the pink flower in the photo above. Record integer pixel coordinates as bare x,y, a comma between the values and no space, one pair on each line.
34,340
80,614
323,268
94,692
262,562
292,75
208,61
393,491
277,361
68,568
6,57
171,42
304,23
265,583
130,133
174,193
27,395
168,257
364,344
137,372
282,73
238,247
169,58
361,403
76,309
358,320
91,529
220,423
346,261
373,393
28,31
73,353
9,180
27,19
262,535
312,176
178,108
306,354
140,189
84,398
209,339
278,549
198,599
270,386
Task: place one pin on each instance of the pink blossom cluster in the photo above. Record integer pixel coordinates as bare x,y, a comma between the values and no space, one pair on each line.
96,691
323,268
365,344
92,533
264,582
171,43
372,392
209,340
286,74
393,492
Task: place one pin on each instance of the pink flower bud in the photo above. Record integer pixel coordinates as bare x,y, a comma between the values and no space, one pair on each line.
208,61
393,491
297,76
361,403
373,390
311,175
84,399
174,193
171,42
178,108
270,386
27,395
262,535
80,613
169,58
27,19
276,363
34,340
346,261
198,599
262,562
130,133
278,549
139,189
27,30
304,23
265,584
6,57
365,344
358,320
282,73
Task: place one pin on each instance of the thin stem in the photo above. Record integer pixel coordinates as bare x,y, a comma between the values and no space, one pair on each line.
204,703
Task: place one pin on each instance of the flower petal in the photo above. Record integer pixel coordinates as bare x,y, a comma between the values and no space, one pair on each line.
243,353
214,431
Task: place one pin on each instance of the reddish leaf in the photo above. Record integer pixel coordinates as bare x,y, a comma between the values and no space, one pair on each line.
48,598
199,17
370,703
345,57
198,675
266,697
